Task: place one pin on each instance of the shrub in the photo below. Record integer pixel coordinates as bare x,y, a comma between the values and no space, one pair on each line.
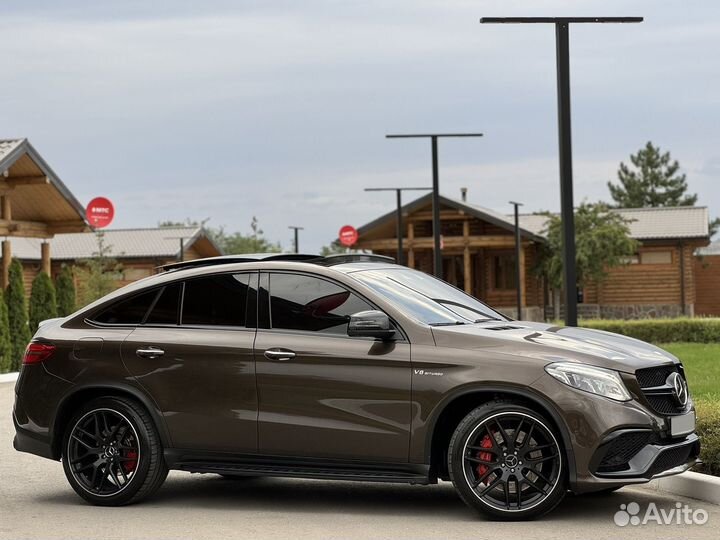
6,358
17,314
708,428
43,304
65,292
696,330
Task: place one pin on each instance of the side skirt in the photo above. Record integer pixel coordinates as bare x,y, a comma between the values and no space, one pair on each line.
321,469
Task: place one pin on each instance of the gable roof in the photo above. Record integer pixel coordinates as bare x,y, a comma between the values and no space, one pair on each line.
479,212
159,242
38,194
712,249
663,223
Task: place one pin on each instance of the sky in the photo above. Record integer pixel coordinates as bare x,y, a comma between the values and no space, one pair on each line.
279,109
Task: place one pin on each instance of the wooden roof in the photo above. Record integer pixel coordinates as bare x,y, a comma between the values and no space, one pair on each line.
37,202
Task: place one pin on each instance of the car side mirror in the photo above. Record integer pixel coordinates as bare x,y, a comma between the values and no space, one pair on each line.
371,323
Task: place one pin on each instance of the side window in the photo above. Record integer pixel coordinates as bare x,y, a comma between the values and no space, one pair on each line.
299,302
130,311
218,300
165,310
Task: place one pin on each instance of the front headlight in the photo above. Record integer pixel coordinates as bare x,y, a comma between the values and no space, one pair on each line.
596,380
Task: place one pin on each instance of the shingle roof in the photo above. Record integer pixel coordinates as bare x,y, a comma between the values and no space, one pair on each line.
162,242
7,146
648,223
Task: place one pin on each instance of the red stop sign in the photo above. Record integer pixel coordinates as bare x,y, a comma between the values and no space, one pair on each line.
348,235
99,212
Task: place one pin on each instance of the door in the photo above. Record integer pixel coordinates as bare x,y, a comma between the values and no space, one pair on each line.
198,364
321,393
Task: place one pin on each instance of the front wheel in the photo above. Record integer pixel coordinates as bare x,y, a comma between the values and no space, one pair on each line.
112,453
506,462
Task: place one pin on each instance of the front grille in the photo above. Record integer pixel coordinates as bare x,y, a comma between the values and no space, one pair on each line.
670,459
622,449
662,402
649,377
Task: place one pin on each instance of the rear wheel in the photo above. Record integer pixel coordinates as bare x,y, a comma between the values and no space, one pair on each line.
112,453
506,462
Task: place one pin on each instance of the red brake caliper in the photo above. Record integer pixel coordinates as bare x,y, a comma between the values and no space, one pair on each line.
485,456
132,463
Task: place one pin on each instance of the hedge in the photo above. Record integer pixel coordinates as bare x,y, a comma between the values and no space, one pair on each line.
17,314
65,292
708,428
695,330
43,303
6,359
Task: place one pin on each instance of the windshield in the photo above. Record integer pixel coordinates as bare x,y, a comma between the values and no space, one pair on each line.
426,298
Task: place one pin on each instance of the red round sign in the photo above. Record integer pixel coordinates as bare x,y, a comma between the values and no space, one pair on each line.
348,235
99,212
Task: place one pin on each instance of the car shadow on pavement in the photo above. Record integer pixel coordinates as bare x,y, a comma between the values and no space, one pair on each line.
284,495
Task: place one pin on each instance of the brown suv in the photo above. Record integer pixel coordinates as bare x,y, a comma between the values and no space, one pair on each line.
346,367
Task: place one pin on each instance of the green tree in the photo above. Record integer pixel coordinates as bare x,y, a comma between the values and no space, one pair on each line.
17,314
98,275
653,180
43,302
333,248
6,356
602,241
65,291
232,243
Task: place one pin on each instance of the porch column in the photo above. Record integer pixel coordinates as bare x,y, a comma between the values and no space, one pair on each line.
467,267
45,257
6,215
410,239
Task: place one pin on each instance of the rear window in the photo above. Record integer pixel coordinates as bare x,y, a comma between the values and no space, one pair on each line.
218,300
166,306
130,311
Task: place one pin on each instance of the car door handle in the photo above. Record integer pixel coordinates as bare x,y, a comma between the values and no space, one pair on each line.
150,352
279,354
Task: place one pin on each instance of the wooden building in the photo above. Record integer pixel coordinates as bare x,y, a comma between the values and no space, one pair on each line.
34,203
138,252
707,280
478,256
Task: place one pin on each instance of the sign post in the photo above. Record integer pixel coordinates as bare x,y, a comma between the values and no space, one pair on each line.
99,212
348,235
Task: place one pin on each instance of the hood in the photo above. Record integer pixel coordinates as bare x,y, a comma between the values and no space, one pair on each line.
550,343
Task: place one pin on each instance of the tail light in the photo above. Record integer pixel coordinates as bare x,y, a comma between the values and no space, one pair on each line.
38,352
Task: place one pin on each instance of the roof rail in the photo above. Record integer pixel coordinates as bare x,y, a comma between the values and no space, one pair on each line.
342,258
245,257
330,260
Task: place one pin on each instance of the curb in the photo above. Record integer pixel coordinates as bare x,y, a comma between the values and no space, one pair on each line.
9,377
690,484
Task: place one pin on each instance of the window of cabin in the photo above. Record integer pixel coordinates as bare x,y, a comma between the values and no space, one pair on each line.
656,257
503,268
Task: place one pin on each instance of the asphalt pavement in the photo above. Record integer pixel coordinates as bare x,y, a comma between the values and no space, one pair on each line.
36,502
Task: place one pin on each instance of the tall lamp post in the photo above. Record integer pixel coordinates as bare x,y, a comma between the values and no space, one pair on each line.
518,247
297,242
399,225
562,52
437,254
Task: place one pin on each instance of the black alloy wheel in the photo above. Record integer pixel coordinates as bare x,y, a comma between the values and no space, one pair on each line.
506,462
112,453
103,452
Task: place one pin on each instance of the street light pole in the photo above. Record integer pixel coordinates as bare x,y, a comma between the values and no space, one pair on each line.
562,52
437,253
518,247
297,243
399,225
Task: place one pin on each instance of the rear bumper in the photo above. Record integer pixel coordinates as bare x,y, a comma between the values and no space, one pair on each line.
32,443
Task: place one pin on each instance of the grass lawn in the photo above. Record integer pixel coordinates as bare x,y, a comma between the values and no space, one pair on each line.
702,366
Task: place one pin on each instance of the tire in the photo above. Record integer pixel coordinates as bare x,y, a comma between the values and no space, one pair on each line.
507,462
112,454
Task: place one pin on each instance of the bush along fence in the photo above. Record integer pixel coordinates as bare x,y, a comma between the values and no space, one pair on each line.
697,330
17,321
